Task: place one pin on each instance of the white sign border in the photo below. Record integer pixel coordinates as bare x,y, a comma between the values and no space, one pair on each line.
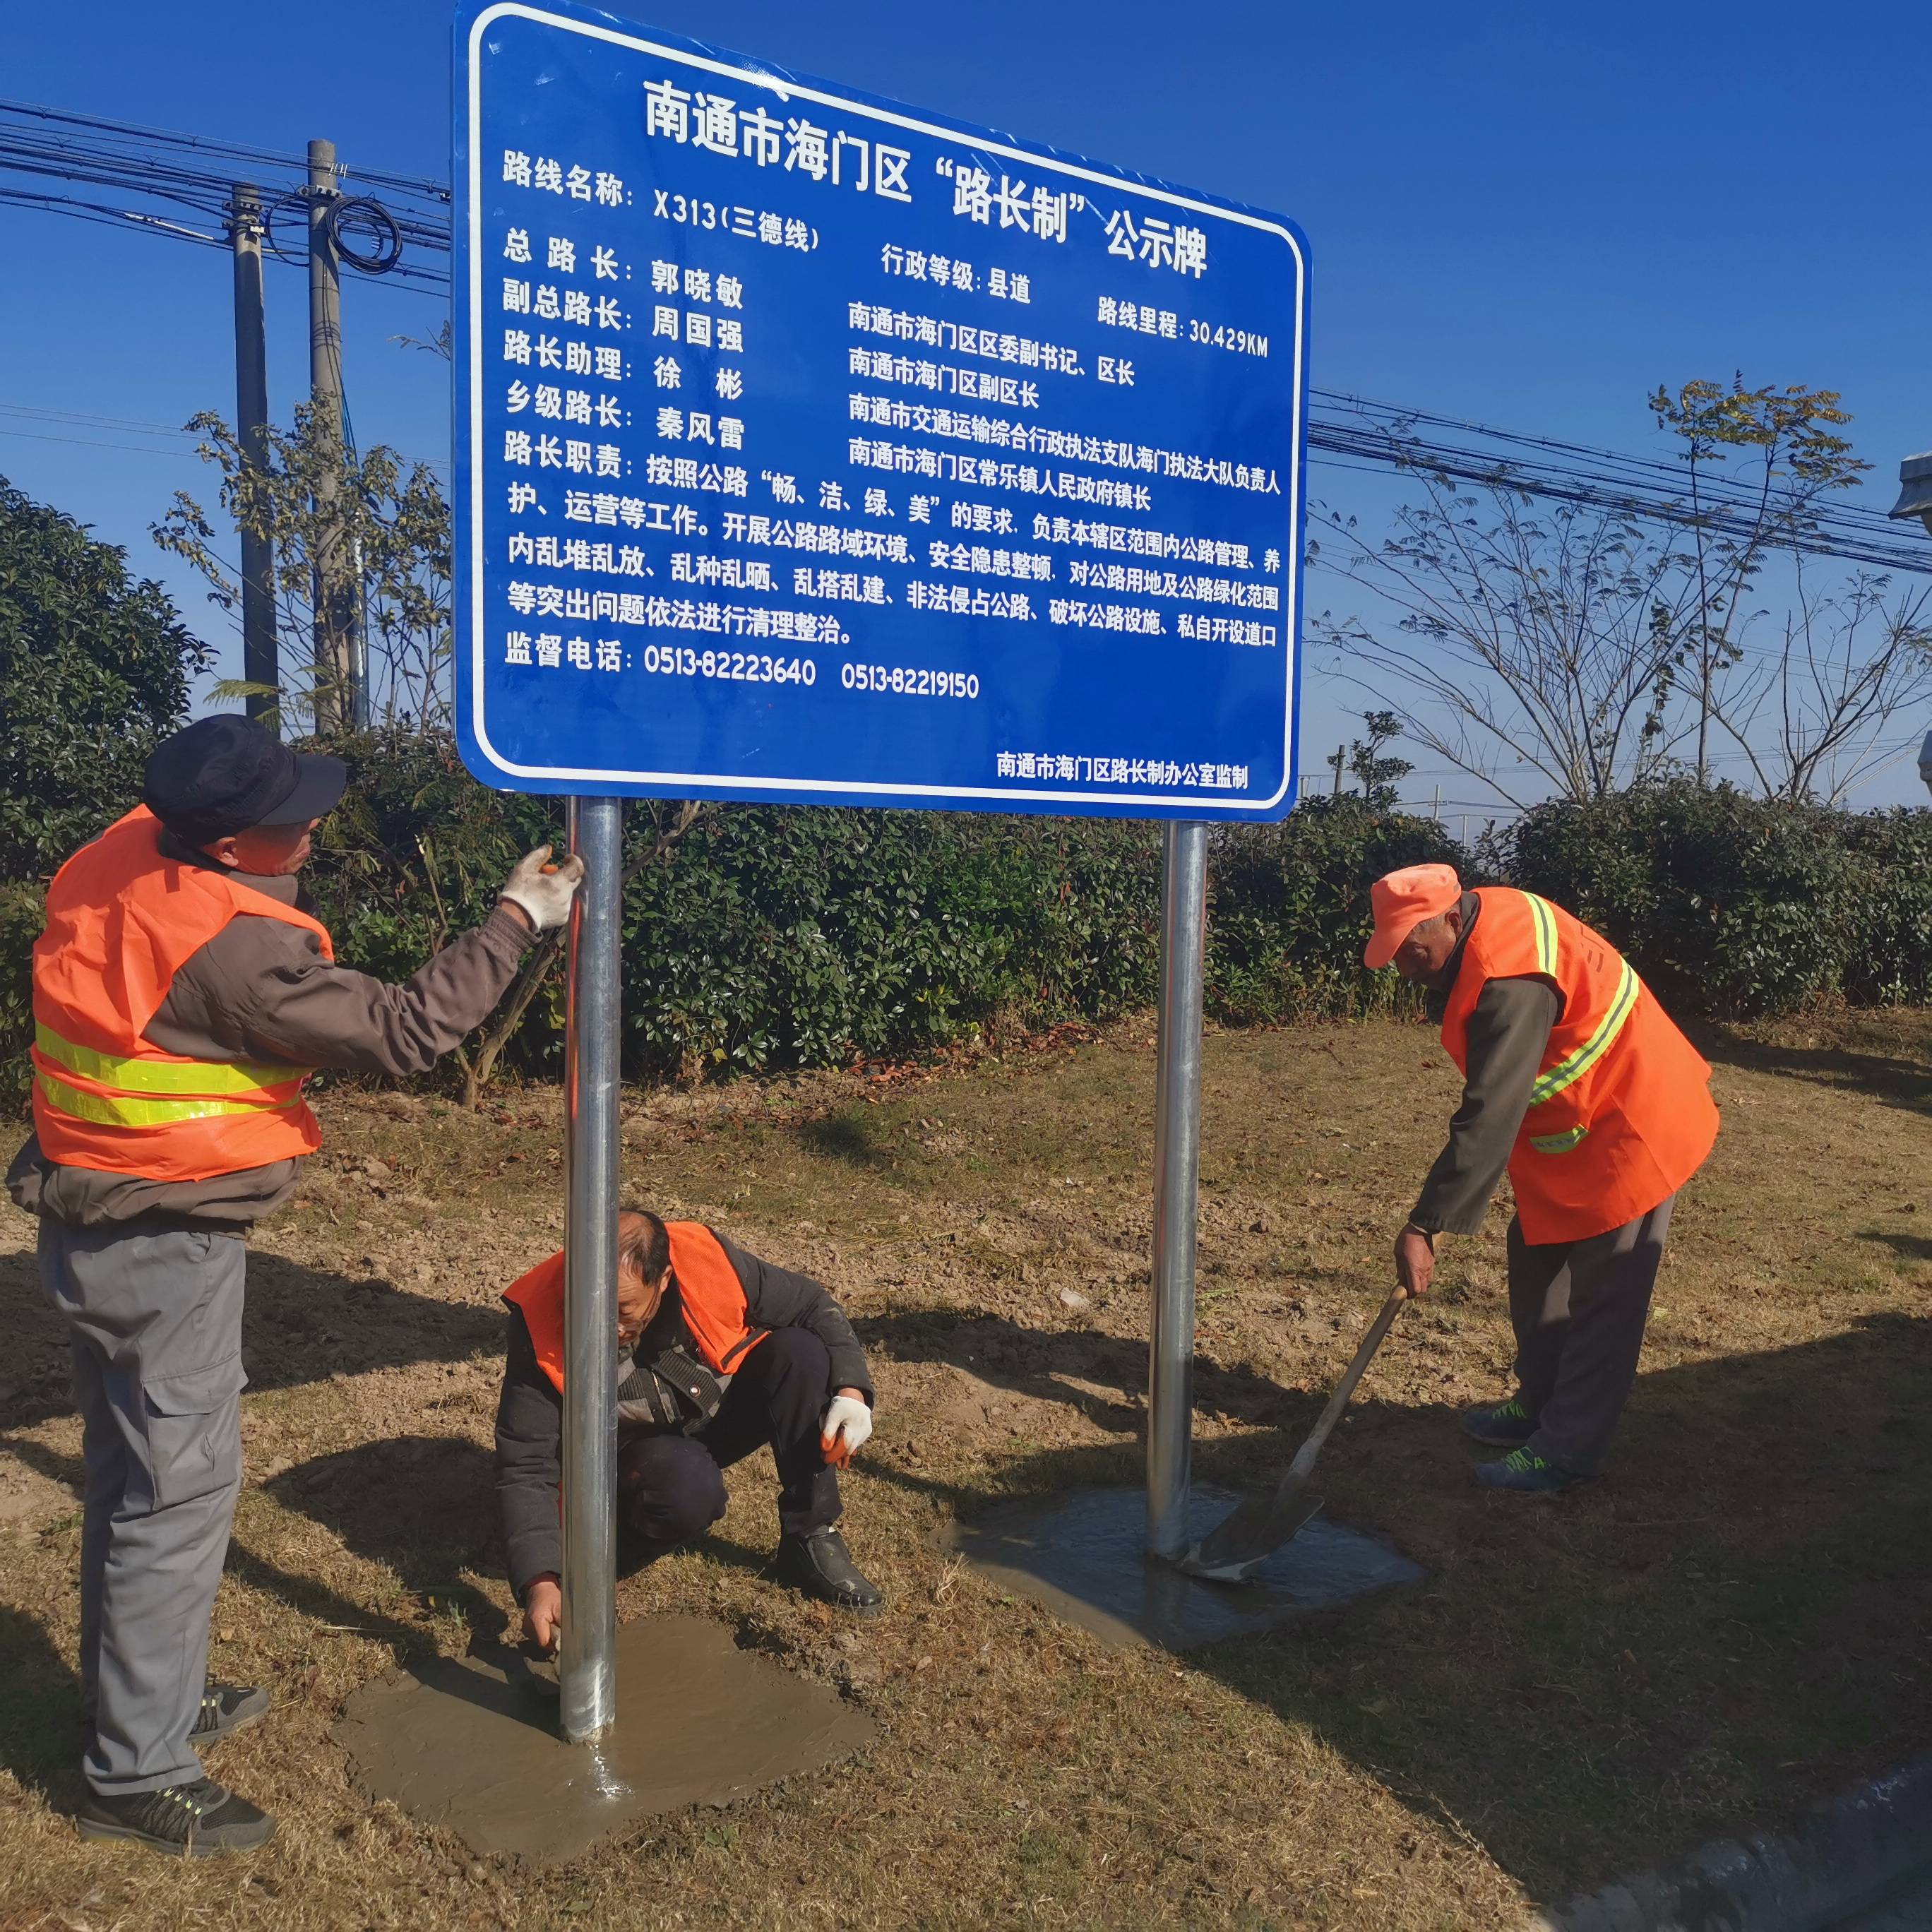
884,793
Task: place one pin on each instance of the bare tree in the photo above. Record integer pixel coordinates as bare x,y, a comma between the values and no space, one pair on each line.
1791,459
1580,646
1528,638
1813,718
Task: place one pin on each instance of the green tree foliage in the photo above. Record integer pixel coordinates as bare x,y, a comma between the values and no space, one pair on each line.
95,666
371,529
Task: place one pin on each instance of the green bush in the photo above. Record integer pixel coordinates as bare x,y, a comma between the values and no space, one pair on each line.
1738,907
765,938
1290,911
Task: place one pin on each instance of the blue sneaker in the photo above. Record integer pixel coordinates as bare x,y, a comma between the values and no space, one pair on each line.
1504,1425
1520,1470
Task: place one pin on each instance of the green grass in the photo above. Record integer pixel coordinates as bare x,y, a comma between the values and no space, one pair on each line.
1729,1627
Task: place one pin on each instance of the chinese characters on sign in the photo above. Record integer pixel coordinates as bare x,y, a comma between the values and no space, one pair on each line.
1029,430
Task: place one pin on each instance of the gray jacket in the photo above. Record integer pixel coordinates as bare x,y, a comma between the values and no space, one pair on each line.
1509,1030
529,1412
260,989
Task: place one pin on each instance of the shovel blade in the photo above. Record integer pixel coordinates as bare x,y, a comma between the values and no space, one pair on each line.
1251,1532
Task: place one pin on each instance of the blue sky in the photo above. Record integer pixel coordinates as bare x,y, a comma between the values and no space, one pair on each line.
1527,215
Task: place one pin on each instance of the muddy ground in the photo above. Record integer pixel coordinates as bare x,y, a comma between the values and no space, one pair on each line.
1731,1624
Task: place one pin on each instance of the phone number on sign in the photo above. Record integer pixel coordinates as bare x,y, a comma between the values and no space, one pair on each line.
743,666
904,681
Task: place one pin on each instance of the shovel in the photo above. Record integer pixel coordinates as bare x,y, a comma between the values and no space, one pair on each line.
1257,1527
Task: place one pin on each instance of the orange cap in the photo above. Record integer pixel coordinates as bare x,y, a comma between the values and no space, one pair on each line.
1403,901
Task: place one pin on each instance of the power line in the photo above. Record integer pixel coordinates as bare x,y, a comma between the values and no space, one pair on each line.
93,442
194,174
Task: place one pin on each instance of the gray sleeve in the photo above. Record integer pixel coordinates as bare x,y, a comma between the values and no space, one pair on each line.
261,988
775,1297
1508,1031
529,1470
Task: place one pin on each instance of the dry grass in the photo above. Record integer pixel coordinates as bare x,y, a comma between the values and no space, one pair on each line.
1732,1623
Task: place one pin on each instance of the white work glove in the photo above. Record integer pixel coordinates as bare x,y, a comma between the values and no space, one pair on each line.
543,892
842,1433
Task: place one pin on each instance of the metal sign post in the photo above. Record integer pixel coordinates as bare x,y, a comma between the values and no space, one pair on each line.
813,449
586,1671
1177,1165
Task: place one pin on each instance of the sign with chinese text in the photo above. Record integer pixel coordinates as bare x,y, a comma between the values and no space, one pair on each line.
810,449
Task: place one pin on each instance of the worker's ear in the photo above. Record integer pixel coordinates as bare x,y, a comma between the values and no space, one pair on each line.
223,851
1454,918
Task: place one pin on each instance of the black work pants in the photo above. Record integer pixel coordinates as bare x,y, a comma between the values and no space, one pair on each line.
671,1488
1579,1309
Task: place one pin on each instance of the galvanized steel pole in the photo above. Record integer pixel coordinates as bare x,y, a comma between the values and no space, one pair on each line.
587,1672
1177,1162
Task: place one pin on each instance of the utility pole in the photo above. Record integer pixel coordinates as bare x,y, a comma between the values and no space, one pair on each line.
260,665
335,592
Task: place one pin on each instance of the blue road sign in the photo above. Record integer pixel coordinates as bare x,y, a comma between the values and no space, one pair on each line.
813,449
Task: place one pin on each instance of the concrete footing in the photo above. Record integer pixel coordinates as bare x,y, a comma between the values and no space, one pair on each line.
471,1746
1082,1555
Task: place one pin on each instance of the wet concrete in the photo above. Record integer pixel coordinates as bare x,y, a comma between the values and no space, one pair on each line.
468,1745
1082,1555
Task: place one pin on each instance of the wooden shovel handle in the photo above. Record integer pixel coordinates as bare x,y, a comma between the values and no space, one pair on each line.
1304,1459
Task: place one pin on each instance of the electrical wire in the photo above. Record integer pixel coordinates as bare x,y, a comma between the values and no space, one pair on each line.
196,174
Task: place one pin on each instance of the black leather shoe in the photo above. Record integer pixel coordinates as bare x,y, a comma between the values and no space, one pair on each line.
819,1564
187,1821
225,1709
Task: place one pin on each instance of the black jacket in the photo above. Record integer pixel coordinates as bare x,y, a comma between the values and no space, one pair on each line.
529,1415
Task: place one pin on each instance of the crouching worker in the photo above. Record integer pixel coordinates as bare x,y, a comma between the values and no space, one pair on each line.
718,1354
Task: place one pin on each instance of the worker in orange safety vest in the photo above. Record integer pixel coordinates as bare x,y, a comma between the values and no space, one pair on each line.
1577,1082
182,994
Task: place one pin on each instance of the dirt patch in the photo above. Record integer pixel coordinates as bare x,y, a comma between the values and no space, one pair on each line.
1729,1624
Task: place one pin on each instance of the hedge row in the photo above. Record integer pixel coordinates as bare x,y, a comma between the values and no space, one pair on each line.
1738,907
758,938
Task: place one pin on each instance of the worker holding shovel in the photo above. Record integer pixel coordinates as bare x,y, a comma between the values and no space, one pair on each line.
1576,1081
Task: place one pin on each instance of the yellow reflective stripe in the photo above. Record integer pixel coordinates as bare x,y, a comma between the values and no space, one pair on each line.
1572,1068
1558,1143
1544,921
203,1077
104,1110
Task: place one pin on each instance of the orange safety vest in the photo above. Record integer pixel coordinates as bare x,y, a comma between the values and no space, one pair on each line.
711,1295
123,919
1620,1115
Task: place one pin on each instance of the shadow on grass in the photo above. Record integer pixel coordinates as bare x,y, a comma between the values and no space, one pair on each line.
1731,1625
1886,1076
850,1134
300,1325
39,1716
1051,1365
1908,1247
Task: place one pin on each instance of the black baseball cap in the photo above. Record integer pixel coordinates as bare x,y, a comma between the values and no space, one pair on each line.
223,774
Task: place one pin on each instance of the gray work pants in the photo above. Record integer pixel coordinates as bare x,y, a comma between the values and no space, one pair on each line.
154,1319
1579,1309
